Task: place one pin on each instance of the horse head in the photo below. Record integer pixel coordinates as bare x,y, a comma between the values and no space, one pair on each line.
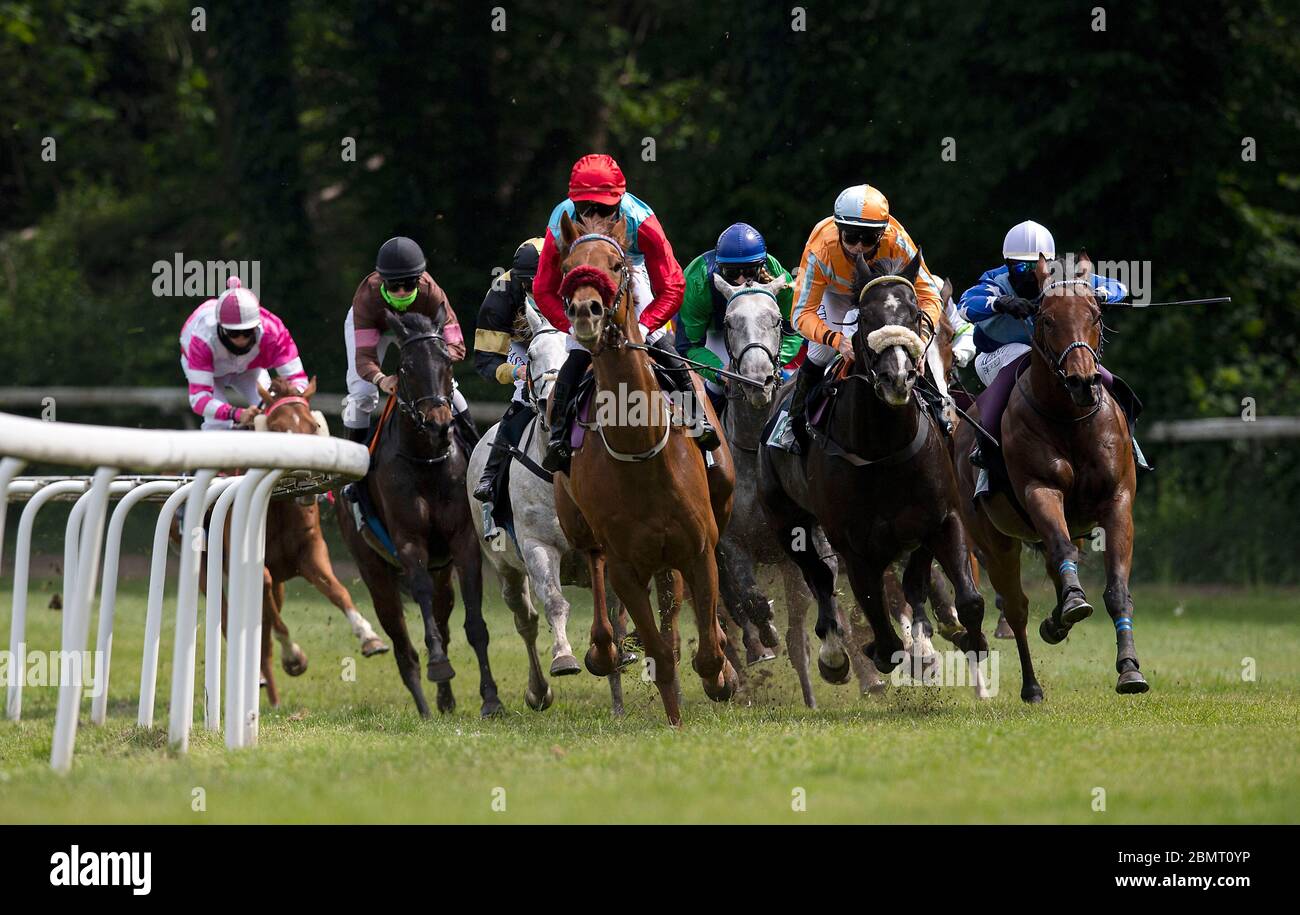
887,344
424,377
1067,330
286,409
752,331
547,350
597,280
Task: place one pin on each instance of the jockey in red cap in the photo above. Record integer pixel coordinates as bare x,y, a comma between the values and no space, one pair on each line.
597,188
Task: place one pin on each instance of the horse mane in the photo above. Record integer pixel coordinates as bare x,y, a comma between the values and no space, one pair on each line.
416,323
885,266
614,226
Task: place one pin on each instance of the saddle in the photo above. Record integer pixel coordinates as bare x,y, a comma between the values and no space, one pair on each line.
580,406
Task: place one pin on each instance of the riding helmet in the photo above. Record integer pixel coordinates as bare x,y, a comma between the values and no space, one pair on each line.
1026,241
862,205
597,178
740,243
399,257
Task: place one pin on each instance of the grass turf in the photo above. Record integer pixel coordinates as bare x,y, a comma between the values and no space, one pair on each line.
1205,745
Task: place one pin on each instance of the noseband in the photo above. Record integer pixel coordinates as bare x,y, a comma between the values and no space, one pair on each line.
1056,362
868,372
774,376
411,408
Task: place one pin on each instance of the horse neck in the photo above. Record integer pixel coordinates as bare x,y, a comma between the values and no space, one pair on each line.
743,423
625,375
867,426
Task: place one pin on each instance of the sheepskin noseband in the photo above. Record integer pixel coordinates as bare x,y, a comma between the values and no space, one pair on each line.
882,338
589,275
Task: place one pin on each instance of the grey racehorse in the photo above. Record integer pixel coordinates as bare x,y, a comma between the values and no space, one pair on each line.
748,548
543,559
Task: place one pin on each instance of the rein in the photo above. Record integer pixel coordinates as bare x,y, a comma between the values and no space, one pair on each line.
410,408
775,376
907,452
286,400
1056,362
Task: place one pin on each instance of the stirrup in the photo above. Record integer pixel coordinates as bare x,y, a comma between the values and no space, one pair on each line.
486,486
490,529
977,458
557,455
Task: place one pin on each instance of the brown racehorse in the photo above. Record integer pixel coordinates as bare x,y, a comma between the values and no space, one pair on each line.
1069,458
638,495
295,546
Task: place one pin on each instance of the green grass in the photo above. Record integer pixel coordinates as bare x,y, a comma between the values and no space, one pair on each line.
1202,746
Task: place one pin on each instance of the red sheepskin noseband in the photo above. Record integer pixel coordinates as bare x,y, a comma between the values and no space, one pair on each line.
589,275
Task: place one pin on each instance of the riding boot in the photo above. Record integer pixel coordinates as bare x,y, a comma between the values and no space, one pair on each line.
809,376
358,435
694,416
499,453
566,386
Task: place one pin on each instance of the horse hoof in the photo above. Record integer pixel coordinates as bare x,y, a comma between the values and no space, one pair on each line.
884,663
768,635
951,631
1076,610
874,688
722,692
627,658
1032,694
440,671
976,643
1131,682
1004,629
566,665
601,663
492,708
1051,635
541,705
838,675
295,665
757,655
373,646
446,699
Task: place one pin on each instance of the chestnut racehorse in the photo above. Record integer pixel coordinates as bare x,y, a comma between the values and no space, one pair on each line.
295,546
638,494
1069,458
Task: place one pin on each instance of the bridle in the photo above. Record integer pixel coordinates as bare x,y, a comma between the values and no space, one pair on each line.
411,408
1057,362
868,372
531,381
773,358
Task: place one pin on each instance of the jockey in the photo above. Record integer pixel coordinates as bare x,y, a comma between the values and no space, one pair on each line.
1002,305
501,353
861,225
399,284
232,341
740,257
597,188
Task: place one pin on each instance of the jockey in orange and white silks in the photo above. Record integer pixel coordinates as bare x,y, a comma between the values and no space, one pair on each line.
861,225
233,342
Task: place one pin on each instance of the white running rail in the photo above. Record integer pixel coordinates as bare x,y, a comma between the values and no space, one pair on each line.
269,465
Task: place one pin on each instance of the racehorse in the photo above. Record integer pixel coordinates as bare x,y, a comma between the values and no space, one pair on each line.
295,546
541,559
752,339
416,487
1069,460
640,494
877,477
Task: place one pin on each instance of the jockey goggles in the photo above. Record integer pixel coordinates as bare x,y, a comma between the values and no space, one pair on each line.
400,302
733,273
861,235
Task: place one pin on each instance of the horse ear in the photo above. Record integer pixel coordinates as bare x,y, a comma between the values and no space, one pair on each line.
536,322
568,232
1043,271
310,391
263,393
776,285
861,267
1084,269
723,286
913,268
618,231
395,325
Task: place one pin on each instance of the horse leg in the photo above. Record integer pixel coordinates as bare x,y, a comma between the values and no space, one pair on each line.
867,578
1002,562
1118,527
269,614
618,620
315,566
1046,507
952,549
514,590
670,587
799,544
745,603
468,559
437,630
715,671
661,661
796,635
941,602
292,658
602,655
543,565
912,600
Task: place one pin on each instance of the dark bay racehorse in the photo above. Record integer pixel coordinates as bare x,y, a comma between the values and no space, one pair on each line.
1069,457
417,487
877,478
639,493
